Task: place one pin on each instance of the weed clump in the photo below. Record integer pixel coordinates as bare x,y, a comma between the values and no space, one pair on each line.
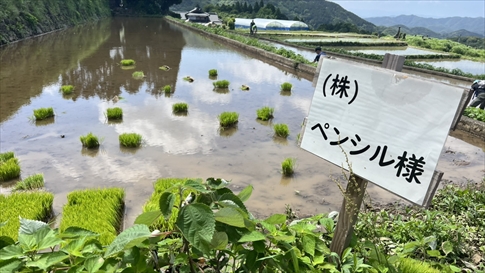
221,84
213,73
281,130
9,166
67,89
180,107
167,89
288,166
138,75
114,113
32,182
228,119
286,86
415,266
89,141
43,113
265,113
127,62
131,140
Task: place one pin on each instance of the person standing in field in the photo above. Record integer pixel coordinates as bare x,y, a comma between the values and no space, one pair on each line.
479,94
319,52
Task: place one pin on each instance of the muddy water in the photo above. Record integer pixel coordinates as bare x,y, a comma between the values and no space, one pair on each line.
174,146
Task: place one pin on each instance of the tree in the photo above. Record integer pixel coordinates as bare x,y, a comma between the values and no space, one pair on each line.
151,6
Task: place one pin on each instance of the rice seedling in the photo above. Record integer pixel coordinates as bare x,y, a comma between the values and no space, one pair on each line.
286,86
180,107
213,73
97,210
221,84
138,75
67,89
89,141
244,87
265,113
35,181
167,89
114,113
127,62
9,166
189,79
281,130
288,166
43,113
29,205
164,68
130,139
228,119
153,203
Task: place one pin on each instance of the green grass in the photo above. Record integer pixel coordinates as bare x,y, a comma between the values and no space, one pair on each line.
221,84
288,166
475,113
153,203
9,166
180,107
265,113
407,265
138,75
114,113
29,205
89,141
130,139
228,119
35,181
281,130
286,86
167,89
213,73
43,113
127,62
98,210
67,89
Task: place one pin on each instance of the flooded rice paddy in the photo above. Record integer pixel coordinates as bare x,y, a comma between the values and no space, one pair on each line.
191,146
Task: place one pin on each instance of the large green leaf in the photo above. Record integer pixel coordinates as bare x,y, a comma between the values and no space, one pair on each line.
30,226
252,237
75,247
93,264
166,202
217,183
10,265
219,240
245,193
276,219
196,186
77,232
47,260
197,224
447,247
147,218
6,241
232,199
309,244
130,237
11,251
230,216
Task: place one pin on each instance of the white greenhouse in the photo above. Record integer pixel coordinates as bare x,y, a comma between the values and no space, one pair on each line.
271,24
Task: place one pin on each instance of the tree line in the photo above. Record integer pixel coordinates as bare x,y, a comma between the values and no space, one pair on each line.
247,10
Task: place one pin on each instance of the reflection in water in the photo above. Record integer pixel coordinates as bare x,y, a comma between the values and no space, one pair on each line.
227,132
285,93
45,122
129,150
221,90
93,152
280,140
268,122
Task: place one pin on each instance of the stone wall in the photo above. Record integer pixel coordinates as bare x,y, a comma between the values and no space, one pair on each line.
473,127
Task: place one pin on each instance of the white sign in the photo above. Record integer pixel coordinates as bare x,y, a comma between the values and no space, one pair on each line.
392,126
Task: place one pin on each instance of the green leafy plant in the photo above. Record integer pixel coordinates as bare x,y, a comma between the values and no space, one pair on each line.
114,113
265,113
43,113
221,84
281,130
167,89
130,140
413,266
180,107
288,166
97,210
89,141
35,181
228,119
286,86
67,89
213,73
9,166
127,62
138,75
475,113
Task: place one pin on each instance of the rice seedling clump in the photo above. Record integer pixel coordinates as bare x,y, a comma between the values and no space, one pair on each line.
29,205
265,113
89,141
114,113
288,166
281,130
286,86
213,73
9,166
35,181
67,89
167,89
221,84
43,113
228,119
138,75
130,139
127,62
97,210
180,107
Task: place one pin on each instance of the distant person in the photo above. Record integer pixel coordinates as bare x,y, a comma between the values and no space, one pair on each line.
319,52
252,26
479,94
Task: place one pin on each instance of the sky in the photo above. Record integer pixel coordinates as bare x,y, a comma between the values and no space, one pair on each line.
422,8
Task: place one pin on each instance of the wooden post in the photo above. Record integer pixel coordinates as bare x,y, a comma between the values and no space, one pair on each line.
353,196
